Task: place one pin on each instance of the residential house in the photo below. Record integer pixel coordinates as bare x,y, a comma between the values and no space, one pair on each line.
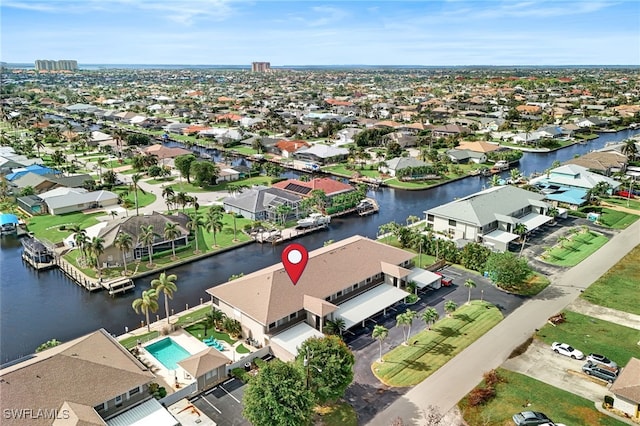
322,154
261,203
626,389
288,148
32,204
9,160
472,152
34,168
109,232
365,277
489,216
605,163
43,183
391,167
568,185
67,200
449,130
590,122
329,186
86,381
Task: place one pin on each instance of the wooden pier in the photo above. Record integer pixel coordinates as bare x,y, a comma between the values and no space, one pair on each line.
74,275
119,285
287,234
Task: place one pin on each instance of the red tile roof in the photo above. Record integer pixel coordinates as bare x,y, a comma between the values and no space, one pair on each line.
291,146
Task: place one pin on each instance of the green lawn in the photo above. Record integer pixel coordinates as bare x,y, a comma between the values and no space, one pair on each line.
579,247
197,331
616,219
47,226
618,201
408,365
590,334
395,183
342,170
144,198
132,341
336,414
534,285
518,390
161,181
618,287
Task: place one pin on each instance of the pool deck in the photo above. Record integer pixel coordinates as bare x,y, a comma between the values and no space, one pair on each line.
177,379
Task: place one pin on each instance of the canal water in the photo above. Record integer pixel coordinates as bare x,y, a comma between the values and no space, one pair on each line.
36,307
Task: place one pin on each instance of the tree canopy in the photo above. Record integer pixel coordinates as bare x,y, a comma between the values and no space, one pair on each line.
183,164
278,396
507,270
336,360
204,173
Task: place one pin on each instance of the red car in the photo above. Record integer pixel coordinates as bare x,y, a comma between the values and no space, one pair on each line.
446,281
625,194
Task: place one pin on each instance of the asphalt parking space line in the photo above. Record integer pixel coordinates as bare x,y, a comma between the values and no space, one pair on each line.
227,392
213,406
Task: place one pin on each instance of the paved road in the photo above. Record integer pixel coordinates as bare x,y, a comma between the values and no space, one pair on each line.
453,381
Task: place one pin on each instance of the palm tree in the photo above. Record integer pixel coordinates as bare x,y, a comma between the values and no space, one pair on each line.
148,301
380,333
126,205
218,317
146,237
214,223
96,247
629,149
430,316
335,327
411,315
134,183
124,242
404,320
412,219
514,174
553,212
165,284
521,230
80,238
469,284
182,198
168,194
171,232
495,180
100,163
450,306
193,225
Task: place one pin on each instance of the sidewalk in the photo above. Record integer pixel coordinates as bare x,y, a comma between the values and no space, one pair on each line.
607,314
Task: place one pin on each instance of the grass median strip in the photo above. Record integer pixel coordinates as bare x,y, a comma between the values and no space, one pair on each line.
428,350
578,248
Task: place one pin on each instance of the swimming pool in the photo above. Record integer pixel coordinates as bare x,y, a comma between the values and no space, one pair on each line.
168,352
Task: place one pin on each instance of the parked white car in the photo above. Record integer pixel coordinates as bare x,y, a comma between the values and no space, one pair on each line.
566,350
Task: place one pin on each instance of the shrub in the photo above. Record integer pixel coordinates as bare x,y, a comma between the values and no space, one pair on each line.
491,378
480,396
577,214
412,298
608,400
240,374
522,348
259,362
62,227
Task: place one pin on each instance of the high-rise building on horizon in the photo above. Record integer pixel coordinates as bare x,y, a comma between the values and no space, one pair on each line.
260,66
60,65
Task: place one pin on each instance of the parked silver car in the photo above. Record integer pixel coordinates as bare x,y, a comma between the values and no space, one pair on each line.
601,372
602,360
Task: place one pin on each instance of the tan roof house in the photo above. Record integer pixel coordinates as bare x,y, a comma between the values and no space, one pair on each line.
352,279
626,389
84,382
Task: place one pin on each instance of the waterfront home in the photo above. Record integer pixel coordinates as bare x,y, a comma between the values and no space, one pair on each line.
391,167
43,183
568,185
34,168
353,280
449,130
32,204
329,186
90,380
67,200
109,231
321,154
627,389
605,163
489,216
287,148
261,203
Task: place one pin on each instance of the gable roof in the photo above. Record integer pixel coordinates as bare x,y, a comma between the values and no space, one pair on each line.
203,362
258,198
87,371
399,163
602,161
482,207
324,151
575,175
478,146
627,385
131,225
268,294
291,146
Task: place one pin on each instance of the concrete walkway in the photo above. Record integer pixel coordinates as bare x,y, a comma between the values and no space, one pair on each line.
453,381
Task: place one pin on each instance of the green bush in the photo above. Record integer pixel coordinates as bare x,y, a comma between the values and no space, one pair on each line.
412,298
240,374
608,400
259,362
577,214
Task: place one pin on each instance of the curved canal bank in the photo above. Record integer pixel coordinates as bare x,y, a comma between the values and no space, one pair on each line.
35,307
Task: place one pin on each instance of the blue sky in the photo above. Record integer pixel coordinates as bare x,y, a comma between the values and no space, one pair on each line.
301,32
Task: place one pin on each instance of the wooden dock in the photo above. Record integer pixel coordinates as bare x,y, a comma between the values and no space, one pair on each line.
119,285
288,234
77,277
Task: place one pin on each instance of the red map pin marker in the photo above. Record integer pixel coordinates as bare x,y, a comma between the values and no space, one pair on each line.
294,259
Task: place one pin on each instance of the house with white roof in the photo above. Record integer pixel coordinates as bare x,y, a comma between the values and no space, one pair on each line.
67,200
490,216
321,154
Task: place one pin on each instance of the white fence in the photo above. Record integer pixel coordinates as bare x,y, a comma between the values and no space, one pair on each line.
185,392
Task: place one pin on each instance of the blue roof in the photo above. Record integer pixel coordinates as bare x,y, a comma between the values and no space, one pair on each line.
34,168
6,218
571,196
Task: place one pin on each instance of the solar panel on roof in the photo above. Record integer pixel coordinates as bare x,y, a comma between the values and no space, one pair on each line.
294,187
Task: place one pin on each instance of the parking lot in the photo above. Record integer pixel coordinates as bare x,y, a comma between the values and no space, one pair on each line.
223,403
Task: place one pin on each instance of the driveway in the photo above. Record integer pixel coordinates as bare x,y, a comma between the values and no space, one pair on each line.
541,363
